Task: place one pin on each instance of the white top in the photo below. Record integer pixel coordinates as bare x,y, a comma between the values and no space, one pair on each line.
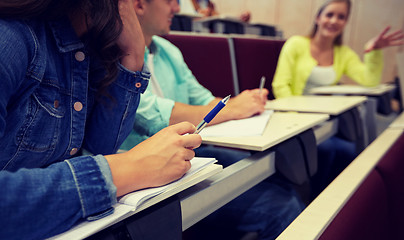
320,76
154,84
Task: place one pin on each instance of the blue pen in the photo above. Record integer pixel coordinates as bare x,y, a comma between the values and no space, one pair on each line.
212,114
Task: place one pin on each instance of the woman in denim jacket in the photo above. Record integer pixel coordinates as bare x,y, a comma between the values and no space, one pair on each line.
70,79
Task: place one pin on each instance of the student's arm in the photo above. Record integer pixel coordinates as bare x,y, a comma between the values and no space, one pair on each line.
244,105
158,160
367,73
37,203
201,100
283,78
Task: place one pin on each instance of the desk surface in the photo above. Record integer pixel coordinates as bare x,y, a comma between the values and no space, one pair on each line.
333,105
220,18
354,90
214,192
280,127
398,122
190,15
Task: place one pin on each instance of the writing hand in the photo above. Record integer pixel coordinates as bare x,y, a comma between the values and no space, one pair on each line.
385,40
159,160
247,103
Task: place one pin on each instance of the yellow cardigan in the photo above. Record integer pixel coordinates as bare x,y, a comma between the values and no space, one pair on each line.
296,63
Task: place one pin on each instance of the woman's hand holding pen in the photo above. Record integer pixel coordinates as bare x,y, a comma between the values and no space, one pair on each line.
131,40
161,159
246,104
385,40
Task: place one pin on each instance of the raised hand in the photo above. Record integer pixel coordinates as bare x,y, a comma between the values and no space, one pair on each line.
385,40
161,159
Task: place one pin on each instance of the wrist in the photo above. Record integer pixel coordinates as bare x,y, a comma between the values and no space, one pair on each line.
131,63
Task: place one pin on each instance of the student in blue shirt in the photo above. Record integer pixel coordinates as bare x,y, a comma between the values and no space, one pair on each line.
174,95
71,79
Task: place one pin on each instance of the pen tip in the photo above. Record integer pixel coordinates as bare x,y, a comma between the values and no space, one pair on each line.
226,99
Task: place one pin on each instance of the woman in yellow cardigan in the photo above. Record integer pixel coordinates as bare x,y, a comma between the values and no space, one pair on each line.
320,60
303,59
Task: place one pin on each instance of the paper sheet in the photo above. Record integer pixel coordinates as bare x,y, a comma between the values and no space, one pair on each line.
253,126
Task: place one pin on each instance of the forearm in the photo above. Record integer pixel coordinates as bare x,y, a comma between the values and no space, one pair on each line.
195,113
191,113
52,199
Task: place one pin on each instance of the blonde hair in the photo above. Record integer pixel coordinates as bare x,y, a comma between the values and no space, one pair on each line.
338,39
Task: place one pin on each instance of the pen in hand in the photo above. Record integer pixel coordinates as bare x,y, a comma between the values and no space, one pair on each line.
262,83
211,114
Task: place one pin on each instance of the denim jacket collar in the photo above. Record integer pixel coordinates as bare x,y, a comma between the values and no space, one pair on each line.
65,36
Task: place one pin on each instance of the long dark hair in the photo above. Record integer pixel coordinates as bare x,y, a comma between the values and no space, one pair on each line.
338,39
102,34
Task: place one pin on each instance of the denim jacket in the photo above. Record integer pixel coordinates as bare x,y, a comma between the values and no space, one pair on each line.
48,113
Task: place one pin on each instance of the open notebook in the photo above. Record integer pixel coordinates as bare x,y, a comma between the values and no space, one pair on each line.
253,126
201,168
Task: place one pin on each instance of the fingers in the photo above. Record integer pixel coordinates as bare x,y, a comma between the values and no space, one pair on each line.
262,95
188,139
396,34
183,128
396,43
192,141
396,38
186,154
381,35
385,40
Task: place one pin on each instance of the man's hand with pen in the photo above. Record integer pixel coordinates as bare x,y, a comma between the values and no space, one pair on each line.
248,103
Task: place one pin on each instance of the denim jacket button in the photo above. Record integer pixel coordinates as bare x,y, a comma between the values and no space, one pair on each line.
138,84
80,56
78,106
56,104
73,151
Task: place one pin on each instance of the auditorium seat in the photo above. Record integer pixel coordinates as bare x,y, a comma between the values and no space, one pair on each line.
256,57
376,209
209,59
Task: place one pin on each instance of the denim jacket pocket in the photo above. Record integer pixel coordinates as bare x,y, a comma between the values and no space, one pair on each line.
40,130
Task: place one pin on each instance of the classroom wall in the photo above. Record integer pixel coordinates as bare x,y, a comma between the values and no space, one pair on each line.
368,18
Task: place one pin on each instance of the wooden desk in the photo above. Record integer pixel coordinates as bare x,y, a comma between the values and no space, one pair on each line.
280,127
398,122
202,199
199,201
354,90
378,101
332,105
